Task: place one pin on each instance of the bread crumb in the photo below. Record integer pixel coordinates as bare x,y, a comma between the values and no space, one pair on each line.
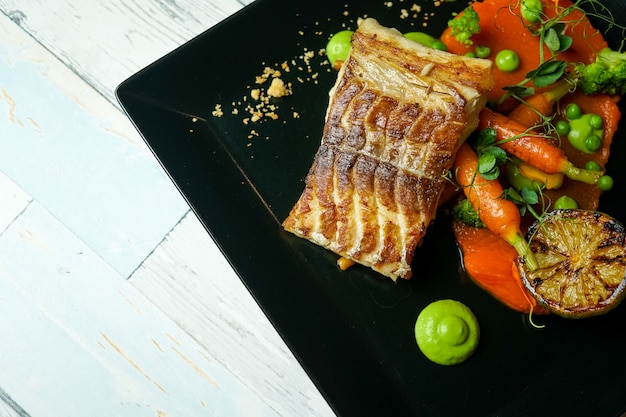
278,88
266,92
217,112
267,73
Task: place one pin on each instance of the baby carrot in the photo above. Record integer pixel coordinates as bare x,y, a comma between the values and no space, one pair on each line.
499,215
533,148
531,112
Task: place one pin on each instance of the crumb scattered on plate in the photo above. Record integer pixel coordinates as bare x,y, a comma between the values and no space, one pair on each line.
267,97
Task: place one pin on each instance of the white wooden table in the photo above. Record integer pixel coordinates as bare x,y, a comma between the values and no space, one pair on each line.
114,301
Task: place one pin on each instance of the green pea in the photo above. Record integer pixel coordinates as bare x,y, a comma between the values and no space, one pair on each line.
605,182
470,54
338,46
531,10
592,166
596,122
482,51
565,202
507,60
573,111
593,143
562,127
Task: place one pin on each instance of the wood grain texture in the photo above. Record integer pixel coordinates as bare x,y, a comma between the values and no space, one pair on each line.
78,340
76,154
205,297
106,42
62,58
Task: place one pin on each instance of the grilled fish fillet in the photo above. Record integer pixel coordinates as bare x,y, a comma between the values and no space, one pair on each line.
397,114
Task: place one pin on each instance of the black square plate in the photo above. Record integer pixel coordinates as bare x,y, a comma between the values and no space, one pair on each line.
353,330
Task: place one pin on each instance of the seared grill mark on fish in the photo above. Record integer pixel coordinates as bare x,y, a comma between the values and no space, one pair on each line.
397,114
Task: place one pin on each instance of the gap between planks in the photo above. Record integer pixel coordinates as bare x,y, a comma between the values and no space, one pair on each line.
193,284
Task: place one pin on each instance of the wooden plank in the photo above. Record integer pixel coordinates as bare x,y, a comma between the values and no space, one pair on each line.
78,340
194,285
106,42
76,154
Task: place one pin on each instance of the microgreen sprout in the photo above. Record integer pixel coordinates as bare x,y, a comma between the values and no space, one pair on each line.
526,199
490,155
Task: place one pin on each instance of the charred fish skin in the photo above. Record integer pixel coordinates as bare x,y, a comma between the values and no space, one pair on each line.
396,116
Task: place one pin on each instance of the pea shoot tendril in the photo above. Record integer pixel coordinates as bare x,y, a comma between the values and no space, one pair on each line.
552,36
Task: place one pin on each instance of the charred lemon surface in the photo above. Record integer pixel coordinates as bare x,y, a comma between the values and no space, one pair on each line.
582,262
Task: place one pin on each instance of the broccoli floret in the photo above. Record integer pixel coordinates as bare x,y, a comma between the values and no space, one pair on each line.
464,25
464,211
606,75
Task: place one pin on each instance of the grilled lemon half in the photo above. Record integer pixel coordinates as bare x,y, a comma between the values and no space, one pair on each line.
582,263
